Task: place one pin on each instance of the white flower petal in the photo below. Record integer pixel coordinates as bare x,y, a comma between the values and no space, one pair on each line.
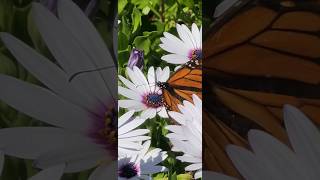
276,155
149,113
31,142
74,59
104,172
129,93
42,104
51,173
217,176
124,118
196,35
75,159
130,125
131,104
90,40
304,137
46,71
175,59
247,164
184,35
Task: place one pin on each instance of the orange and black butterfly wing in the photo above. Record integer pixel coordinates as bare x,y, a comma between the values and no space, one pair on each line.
181,85
260,57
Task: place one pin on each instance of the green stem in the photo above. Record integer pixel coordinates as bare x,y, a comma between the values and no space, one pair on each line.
155,12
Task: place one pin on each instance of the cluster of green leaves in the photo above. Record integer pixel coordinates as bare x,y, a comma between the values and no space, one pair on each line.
141,24
15,19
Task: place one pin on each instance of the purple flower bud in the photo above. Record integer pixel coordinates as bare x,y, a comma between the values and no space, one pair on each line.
136,58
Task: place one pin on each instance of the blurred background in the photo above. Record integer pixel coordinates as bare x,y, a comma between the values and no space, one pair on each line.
15,19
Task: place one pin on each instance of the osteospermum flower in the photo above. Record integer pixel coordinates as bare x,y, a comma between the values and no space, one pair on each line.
188,47
143,93
143,165
271,159
187,136
130,138
78,98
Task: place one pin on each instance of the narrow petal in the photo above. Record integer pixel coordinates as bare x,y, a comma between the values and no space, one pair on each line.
75,160
304,137
131,125
124,118
129,93
247,164
149,113
217,176
74,59
131,104
42,104
175,59
105,171
275,155
90,40
44,70
31,142
52,173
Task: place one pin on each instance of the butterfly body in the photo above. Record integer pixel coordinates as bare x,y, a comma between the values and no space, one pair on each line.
180,86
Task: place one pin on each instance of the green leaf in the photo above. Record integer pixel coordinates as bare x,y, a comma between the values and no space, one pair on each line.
184,177
34,34
122,41
136,19
121,5
7,66
142,42
161,176
123,57
146,10
188,3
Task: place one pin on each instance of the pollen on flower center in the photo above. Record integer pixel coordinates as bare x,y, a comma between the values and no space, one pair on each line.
153,100
109,132
195,55
128,170
105,132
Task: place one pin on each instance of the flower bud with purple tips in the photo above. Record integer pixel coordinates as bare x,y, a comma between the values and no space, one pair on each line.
136,58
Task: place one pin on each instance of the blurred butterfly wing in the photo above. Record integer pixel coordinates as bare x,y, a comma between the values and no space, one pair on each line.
259,58
216,137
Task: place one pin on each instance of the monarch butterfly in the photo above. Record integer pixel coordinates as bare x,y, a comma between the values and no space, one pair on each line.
259,55
184,82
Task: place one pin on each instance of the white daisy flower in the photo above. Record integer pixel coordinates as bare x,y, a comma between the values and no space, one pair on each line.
141,166
129,137
187,136
144,95
81,110
271,159
188,47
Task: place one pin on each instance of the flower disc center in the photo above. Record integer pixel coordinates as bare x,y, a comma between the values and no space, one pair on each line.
128,170
105,131
196,55
153,100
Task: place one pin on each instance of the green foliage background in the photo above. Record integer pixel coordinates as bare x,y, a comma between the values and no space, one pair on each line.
141,24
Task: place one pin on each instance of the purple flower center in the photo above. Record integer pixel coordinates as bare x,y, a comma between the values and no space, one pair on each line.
105,131
195,55
128,170
153,100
